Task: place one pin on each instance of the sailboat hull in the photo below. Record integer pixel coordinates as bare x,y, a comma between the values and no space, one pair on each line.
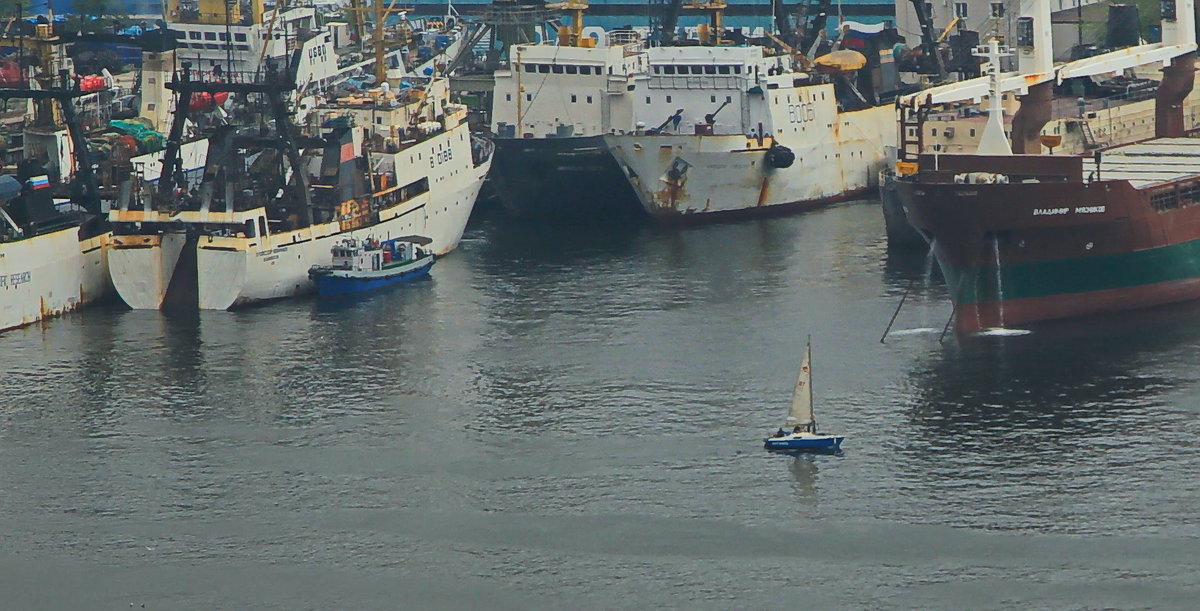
804,442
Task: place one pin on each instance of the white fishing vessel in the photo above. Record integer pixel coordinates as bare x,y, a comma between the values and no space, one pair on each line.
799,432
728,130
52,232
50,273
388,165
551,108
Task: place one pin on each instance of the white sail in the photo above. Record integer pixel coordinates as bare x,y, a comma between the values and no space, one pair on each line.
801,413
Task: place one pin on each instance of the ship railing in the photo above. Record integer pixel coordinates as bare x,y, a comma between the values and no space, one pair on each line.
630,41
516,14
698,82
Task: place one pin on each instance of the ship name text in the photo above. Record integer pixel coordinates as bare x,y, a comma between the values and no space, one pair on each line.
1077,210
439,157
802,113
8,281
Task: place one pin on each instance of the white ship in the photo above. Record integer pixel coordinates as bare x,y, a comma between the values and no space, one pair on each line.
213,246
49,273
551,108
729,130
52,237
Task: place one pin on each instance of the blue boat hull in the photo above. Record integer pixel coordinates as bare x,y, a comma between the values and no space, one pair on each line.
332,286
789,444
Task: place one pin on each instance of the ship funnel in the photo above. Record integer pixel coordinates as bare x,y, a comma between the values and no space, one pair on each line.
993,141
1035,43
1179,22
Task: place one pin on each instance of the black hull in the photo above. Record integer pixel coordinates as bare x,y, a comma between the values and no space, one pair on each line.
900,233
562,179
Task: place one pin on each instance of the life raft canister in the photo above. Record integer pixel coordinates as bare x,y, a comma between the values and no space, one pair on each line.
780,156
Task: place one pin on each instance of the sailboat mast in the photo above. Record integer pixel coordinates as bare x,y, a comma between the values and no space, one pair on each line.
813,416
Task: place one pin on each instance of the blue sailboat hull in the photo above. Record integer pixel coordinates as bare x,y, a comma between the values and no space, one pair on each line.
341,286
791,443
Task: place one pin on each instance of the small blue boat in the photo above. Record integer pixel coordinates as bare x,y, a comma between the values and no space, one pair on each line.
368,265
803,436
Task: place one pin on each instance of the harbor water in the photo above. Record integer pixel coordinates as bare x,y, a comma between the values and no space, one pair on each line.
574,417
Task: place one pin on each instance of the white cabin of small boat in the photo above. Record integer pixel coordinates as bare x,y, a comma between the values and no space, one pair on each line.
373,255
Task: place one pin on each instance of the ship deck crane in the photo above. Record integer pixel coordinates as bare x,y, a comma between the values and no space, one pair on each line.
667,13
929,41
815,14
89,191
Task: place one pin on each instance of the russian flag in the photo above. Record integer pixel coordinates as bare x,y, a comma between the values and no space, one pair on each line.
39,182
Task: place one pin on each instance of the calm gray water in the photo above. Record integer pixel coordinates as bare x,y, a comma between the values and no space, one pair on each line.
575,418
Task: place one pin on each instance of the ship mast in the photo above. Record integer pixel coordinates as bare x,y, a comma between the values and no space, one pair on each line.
993,141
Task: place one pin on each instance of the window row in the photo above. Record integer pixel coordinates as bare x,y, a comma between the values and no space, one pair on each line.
1171,198
708,69
212,45
712,99
194,35
562,68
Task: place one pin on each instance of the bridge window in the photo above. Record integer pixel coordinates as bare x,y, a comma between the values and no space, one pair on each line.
589,99
1164,200
194,35
669,69
723,69
572,69
1189,194
210,36
710,69
529,67
557,69
544,68
239,37
737,69
573,98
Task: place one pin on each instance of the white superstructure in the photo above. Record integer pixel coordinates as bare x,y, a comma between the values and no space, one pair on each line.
553,91
729,129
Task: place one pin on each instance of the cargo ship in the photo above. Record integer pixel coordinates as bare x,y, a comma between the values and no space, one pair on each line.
1023,238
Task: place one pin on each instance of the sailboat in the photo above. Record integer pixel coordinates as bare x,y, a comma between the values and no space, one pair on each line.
803,435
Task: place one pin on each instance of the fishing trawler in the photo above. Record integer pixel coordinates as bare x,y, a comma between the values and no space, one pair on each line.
1030,237
551,108
385,165
734,130
52,231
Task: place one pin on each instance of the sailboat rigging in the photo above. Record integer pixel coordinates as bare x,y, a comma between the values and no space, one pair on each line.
800,419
